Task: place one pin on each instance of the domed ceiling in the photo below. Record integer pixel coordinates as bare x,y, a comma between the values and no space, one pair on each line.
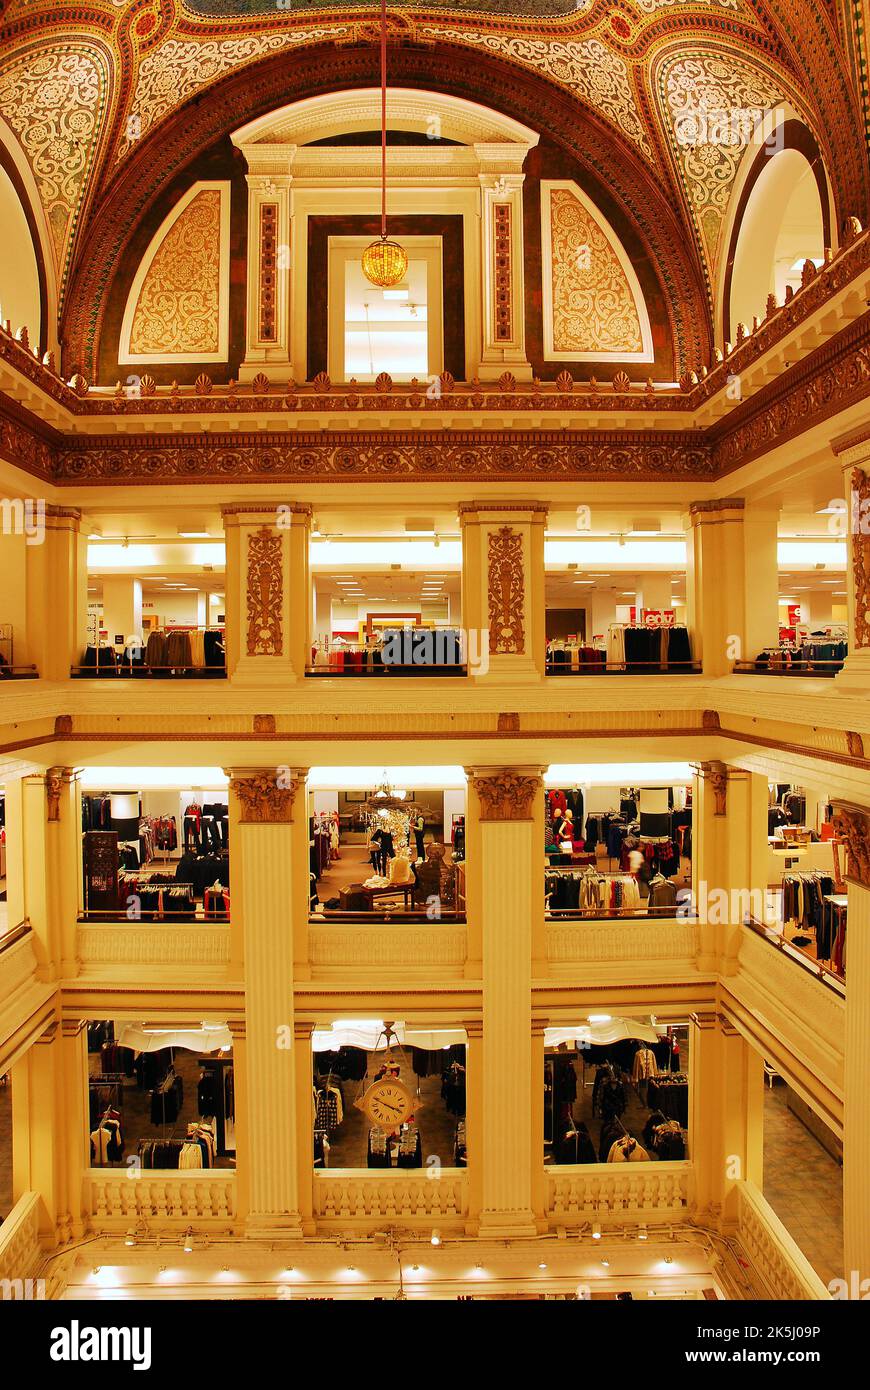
100,100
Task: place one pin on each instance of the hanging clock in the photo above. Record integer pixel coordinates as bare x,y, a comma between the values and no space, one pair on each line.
388,1103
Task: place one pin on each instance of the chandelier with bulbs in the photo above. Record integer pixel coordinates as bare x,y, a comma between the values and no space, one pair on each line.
384,262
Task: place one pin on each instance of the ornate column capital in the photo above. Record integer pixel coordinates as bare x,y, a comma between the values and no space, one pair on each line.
506,796
852,825
716,773
56,778
266,797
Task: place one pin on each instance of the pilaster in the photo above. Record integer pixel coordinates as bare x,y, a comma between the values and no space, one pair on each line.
510,853
503,602
725,1138
501,229
266,846
49,1132
268,593
474,1086
729,838
52,838
57,599
267,340
715,583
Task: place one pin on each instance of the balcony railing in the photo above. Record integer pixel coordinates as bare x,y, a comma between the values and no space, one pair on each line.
131,670
623,668
18,673
616,1193
358,946
801,667
801,957
359,1196
114,1200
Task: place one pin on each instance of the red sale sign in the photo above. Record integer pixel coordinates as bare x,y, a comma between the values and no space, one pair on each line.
656,617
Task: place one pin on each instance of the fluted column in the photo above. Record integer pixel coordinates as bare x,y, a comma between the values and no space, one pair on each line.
510,852
302,1032
503,607
49,1132
726,1118
853,525
240,1087
853,824
268,593
267,847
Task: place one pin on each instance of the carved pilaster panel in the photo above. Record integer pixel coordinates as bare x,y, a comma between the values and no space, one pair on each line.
265,798
506,796
507,591
861,555
268,271
265,596
501,274
852,825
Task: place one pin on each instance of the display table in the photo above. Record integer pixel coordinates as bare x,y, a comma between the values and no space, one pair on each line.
357,898
671,1098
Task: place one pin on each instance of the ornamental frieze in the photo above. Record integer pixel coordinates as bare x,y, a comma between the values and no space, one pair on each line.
506,592
506,796
265,596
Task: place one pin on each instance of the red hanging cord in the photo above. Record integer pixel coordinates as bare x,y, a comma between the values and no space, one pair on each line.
384,118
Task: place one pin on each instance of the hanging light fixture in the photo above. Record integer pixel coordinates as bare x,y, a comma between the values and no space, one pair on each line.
384,262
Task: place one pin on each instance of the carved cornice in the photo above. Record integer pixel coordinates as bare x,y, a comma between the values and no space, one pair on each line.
852,824
265,797
720,504
407,455
505,796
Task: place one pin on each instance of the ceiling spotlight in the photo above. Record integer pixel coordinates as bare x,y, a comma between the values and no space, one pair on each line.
188,1241
478,1265
669,1260
130,1238
606,1264
642,1233
96,1269
415,1268
542,1265
596,1230
351,1268
436,1237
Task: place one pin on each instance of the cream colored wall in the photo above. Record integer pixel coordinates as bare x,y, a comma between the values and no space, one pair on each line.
19,275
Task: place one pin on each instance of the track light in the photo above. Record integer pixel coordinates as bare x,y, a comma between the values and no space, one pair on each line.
188,1241
596,1230
436,1237
606,1264
642,1233
130,1237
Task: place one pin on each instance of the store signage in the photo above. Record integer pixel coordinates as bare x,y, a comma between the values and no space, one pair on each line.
659,617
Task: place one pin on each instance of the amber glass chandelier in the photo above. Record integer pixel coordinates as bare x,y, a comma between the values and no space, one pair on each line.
384,262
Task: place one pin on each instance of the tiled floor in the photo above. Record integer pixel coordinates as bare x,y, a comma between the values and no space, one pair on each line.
804,1185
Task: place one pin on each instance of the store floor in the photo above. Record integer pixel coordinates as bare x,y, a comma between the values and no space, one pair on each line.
804,1185
636,1113
136,1110
5,1147
354,866
349,1143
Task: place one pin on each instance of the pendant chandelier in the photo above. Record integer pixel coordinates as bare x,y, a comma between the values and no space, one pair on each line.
384,262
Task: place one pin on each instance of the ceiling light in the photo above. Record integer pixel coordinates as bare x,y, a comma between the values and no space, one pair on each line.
668,1260
642,1233
130,1238
596,1230
598,1018
606,1263
194,535
542,1265
436,1237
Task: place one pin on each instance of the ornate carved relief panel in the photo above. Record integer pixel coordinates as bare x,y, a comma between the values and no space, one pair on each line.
265,593
507,591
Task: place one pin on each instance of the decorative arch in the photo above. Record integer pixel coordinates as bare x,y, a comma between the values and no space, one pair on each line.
594,307
610,160
30,241
789,176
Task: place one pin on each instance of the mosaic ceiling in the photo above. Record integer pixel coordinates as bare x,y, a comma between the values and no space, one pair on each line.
85,90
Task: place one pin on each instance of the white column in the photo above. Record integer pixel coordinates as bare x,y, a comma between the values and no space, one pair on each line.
761,578
715,585
503,605
122,608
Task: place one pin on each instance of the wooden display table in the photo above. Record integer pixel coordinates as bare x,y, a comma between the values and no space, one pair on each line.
349,897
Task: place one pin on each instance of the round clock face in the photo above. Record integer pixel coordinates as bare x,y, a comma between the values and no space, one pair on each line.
388,1103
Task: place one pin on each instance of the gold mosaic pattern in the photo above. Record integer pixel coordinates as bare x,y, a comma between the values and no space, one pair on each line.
178,309
593,304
